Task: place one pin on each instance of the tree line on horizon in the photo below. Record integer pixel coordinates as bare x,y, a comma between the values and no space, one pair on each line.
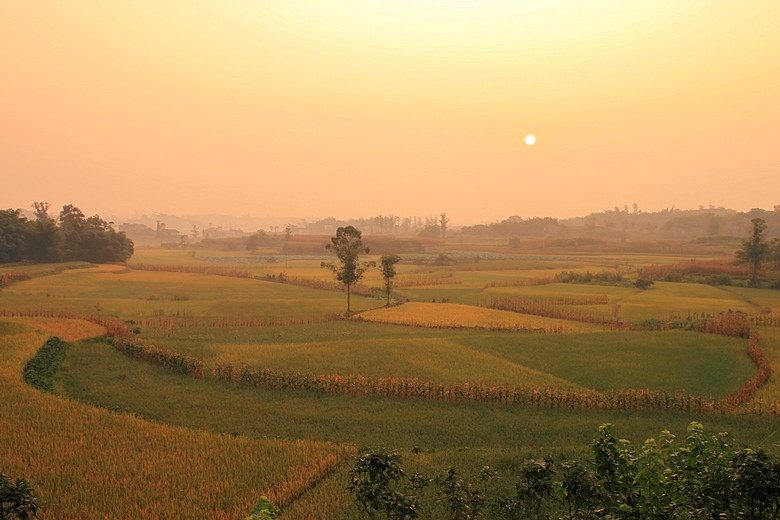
68,237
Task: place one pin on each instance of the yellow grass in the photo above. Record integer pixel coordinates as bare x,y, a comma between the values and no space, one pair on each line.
68,330
88,463
457,315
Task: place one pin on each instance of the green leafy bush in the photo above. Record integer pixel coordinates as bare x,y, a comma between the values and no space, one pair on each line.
17,498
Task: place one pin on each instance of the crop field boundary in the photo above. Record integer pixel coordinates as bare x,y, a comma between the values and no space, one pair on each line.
125,341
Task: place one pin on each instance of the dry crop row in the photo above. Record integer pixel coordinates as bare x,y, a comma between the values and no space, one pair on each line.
223,323
766,320
358,385
526,282
540,307
694,267
621,399
626,399
193,269
315,283
420,281
431,324
759,379
10,277
125,341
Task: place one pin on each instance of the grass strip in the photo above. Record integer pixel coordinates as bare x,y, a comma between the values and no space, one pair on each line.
40,370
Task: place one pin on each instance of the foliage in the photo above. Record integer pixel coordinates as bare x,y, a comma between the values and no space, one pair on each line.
754,250
643,283
388,261
603,277
263,510
464,501
17,499
380,484
348,246
12,235
40,370
699,478
71,237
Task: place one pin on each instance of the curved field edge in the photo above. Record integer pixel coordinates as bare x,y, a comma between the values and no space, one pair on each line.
455,315
88,463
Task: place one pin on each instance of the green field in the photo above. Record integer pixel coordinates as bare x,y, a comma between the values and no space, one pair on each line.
227,320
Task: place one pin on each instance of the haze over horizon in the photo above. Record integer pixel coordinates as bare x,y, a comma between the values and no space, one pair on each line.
357,108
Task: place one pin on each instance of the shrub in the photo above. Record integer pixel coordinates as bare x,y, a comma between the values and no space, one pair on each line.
17,498
643,283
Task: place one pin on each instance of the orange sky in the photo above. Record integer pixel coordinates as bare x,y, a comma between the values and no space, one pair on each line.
355,108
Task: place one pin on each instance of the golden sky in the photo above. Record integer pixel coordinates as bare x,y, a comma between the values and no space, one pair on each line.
355,108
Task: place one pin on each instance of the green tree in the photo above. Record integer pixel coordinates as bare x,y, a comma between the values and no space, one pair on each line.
348,246
754,250
17,498
45,241
13,227
388,262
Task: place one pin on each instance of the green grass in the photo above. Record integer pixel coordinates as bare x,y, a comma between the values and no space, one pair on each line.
701,364
665,298
95,372
138,294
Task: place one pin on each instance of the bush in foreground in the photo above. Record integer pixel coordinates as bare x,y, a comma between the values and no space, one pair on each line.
701,477
17,498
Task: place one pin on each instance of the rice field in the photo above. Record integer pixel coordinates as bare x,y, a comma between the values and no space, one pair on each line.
452,315
211,447
88,463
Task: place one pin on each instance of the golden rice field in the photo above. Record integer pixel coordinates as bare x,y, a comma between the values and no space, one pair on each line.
88,463
65,329
453,315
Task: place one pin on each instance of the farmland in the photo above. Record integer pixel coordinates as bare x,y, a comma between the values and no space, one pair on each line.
478,362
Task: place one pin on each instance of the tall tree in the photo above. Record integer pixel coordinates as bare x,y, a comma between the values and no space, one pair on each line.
388,262
41,210
754,250
348,246
443,221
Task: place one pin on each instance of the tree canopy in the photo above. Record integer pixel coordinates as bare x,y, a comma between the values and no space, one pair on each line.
72,236
754,250
348,246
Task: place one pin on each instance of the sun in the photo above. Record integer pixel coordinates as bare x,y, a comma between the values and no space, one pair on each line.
530,139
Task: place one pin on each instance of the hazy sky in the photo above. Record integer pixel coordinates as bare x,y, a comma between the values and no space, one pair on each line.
356,108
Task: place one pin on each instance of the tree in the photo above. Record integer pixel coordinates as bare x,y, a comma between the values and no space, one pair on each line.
388,262
643,283
348,246
443,221
13,226
754,250
194,233
254,240
41,210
